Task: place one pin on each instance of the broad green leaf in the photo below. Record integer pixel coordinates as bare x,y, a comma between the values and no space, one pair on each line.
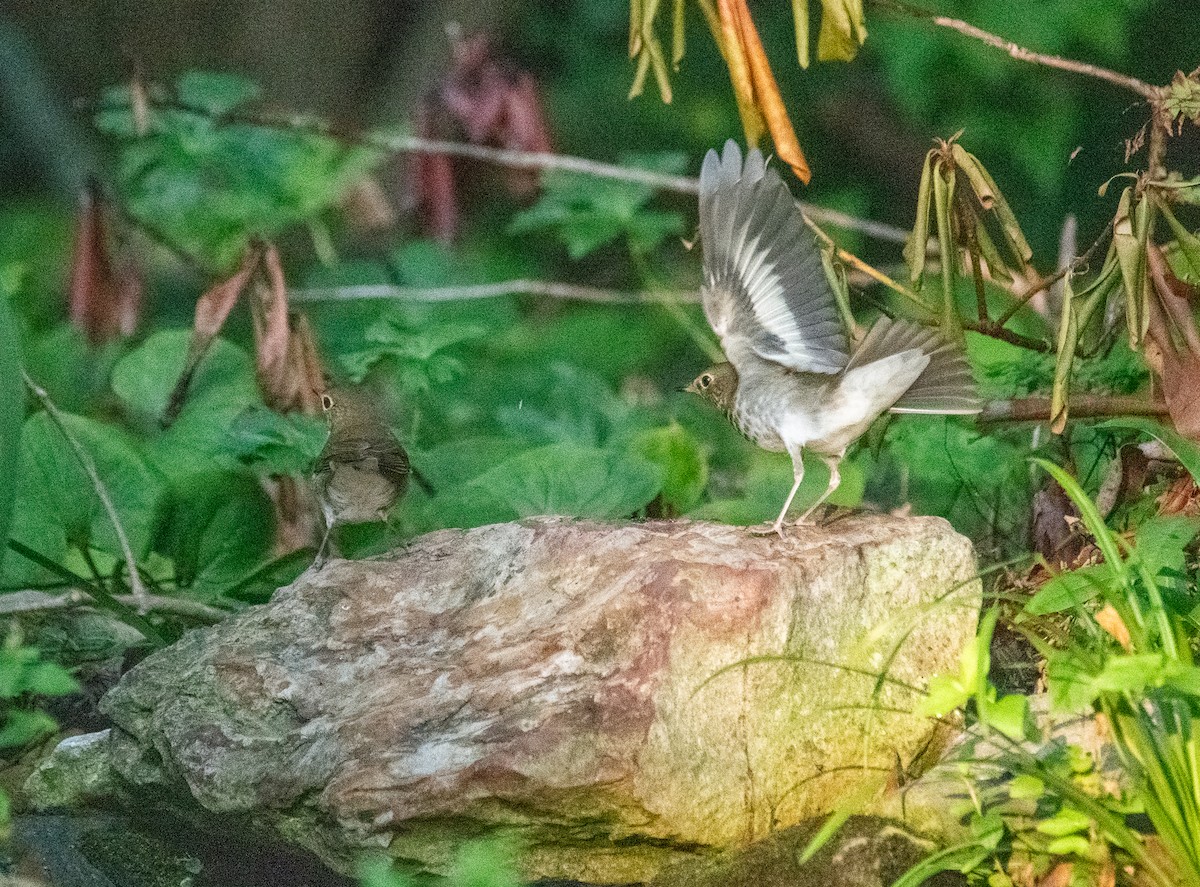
221,389
215,93
1009,715
1070,589
22,727
220,531
272,443
685,470
1026,786
49,679
53,483
1066,821
145,378
566,479
12,405
1069,845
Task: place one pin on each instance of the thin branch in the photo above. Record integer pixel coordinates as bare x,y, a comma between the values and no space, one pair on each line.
135,579
1138,87
1004,334
1048,281
537,160
548,288
1083,406
515,159
31,601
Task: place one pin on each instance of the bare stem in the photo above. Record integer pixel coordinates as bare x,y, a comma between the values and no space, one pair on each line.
1139,87
501,288
32,601
85,461
1083,406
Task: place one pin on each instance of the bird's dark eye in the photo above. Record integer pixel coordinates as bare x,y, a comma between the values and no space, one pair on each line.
326,402
705,380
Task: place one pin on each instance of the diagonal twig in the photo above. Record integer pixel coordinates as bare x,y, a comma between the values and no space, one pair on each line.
1133,84
85,461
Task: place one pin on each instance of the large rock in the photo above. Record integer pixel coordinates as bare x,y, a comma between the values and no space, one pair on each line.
619,697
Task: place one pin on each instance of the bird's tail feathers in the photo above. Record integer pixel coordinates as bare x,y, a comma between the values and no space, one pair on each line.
945,386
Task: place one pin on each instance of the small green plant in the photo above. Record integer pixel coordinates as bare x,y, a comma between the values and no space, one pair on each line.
1035,800
25,676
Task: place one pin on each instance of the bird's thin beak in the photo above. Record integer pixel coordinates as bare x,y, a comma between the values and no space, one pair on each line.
689,388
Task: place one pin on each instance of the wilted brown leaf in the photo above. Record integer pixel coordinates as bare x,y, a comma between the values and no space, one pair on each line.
211,311
1110,620
1059,876
308,372
269,311
102,303
1172,328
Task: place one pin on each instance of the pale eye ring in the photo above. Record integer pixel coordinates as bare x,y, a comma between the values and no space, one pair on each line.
705,380
326,402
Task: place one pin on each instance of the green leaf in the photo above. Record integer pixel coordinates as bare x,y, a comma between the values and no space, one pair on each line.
145,378
23,727
1066,821
209,186
565,478
1069,845
1026,786
587,212
12,407
1070,589
221,389
220,532
272,443
843,30
215,93
55,486
1009,715
685,470
49,679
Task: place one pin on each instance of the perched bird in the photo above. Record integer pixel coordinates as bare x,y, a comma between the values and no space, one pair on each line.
363,470
791,381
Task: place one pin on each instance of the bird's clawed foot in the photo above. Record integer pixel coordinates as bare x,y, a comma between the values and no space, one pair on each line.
765,529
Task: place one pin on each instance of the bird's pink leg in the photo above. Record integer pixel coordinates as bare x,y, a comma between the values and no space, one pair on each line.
798,474
835,478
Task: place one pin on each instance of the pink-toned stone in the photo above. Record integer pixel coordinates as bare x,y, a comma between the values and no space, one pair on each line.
618,696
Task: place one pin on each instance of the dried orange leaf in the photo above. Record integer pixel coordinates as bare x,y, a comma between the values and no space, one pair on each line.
308,372
767,96
739,70
1110,620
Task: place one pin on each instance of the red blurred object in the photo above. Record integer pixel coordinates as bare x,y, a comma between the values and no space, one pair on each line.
485,100
105,303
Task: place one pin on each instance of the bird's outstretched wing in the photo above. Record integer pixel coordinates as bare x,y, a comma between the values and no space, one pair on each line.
765,292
